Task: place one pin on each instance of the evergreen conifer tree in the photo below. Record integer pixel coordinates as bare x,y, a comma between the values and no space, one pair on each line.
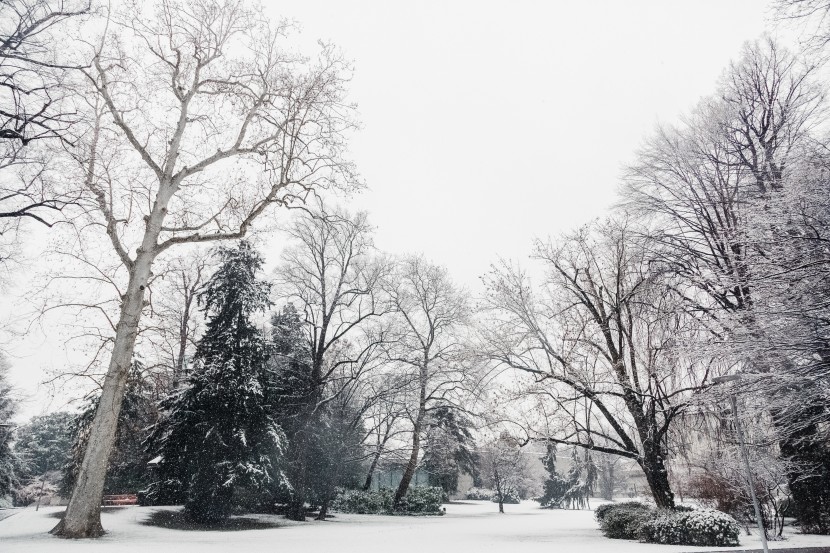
324,441
555,486
218,439
9,463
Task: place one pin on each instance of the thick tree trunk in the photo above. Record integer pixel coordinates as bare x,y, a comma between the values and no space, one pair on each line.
411,466
83,514
657,476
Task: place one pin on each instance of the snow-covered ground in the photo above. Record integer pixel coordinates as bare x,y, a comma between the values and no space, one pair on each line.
468,527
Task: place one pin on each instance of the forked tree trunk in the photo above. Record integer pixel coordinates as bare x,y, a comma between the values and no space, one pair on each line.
83,514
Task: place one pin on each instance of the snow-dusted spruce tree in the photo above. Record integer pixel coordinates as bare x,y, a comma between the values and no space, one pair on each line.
326,454
449,448
197,119
555,486
217,436
8,405
43,444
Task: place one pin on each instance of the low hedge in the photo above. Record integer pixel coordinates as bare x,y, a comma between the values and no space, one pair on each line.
605,508
684,526
624,520
704,527
417,501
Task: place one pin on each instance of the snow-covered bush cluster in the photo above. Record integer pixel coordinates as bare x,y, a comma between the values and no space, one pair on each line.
636,521
425,501
623,520
480,494
705,527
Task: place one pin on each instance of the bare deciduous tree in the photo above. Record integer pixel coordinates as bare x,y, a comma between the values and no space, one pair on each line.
602,341
33,108
332,274
432,313
198,121
505,465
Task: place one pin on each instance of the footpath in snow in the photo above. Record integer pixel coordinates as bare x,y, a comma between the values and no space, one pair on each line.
468,527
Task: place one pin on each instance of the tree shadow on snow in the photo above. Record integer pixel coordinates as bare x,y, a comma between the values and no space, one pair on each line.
176,520
107,509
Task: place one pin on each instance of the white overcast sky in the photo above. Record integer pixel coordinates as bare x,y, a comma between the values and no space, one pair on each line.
486,124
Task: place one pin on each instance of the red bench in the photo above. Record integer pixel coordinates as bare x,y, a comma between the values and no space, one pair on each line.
125,499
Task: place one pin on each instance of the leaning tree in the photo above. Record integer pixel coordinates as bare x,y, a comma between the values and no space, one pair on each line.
197,121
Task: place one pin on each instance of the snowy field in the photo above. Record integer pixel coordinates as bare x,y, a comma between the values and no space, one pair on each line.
468,527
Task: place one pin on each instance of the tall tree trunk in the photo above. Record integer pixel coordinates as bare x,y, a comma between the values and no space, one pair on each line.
178,369
657,476
83,514
375,458
409,472
499,493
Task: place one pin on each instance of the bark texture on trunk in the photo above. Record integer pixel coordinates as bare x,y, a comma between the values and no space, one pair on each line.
83,513
499,493
296,505
657,477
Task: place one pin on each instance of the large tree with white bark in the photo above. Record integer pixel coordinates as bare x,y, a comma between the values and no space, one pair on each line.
197,120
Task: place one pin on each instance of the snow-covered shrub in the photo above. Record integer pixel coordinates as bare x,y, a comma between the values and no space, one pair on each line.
363,502
480,494
422,501
705,527
602,510
624,520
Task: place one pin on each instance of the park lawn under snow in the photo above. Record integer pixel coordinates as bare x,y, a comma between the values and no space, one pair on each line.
474,527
